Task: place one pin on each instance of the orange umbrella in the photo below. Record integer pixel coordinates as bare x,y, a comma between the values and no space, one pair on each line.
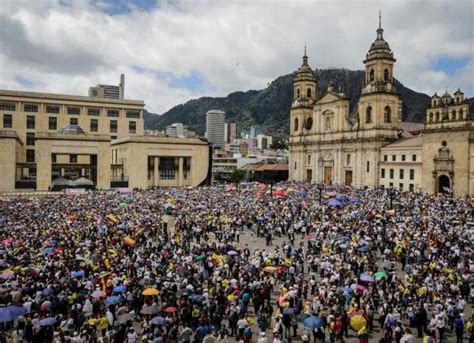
151,291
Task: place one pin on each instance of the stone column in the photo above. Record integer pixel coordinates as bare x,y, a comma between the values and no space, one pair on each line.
156,161
43,165
180,172
103,166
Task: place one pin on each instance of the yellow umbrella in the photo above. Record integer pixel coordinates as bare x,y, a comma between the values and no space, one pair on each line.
357,322
151,291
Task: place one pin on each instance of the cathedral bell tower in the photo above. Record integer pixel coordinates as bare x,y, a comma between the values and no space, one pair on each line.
304,96
379,105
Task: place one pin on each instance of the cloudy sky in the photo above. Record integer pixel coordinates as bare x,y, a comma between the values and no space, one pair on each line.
173,51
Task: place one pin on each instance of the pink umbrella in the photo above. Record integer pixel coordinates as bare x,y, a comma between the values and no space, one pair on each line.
359,287
7,276
98,294
7,241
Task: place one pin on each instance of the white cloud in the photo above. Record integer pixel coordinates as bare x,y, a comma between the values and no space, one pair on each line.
70,45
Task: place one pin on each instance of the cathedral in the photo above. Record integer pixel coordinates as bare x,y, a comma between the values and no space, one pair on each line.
373,146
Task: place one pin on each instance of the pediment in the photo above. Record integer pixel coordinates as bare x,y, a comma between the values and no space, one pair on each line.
328,97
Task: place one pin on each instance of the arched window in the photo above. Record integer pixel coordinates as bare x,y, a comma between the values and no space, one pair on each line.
371,75
453,115
308,93
309,123
328,123
437,116
368,115
296,124
387,114
461,114
431,117
298,93
385,75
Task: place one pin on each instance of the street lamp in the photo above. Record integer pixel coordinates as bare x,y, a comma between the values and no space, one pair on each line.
391,194
320,189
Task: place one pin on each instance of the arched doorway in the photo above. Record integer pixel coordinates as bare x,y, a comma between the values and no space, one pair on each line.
444,184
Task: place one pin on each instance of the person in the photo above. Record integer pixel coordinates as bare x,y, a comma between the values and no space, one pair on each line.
262,338
407,337
363,335
459,327
186,334
247,335
132,336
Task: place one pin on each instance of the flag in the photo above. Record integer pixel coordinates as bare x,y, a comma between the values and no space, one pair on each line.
217,259
129,242
111,218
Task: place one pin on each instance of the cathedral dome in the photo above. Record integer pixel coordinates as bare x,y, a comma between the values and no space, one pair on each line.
379,48
305,73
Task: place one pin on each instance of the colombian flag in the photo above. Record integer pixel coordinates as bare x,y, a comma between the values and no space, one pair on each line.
111,218
129,242
217,259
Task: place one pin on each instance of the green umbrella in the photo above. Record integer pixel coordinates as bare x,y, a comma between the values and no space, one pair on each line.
199,258
381,275
123,204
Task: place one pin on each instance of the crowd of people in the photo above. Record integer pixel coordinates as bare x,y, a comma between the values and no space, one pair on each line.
295,262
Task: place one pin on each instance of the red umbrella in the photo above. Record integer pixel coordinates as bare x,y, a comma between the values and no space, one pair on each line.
171,309
309,236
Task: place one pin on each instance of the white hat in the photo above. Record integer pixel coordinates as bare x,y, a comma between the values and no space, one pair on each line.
304,338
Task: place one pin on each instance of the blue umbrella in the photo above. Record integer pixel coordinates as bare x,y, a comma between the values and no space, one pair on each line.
49,250
354,200
365,248
9,313
261,219
334,202
289,310
302,192
232,252
47,321
77,274
341,198
312,322
347,290
120,289
48,291
158,321
197,298
113,300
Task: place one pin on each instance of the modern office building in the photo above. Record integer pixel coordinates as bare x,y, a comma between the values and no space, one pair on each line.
230,132
215,123
48,138
109,91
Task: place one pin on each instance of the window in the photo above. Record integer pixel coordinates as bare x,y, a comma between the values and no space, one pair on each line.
368,115
308,93
73,121
7,106
411,187
387,114
73,158
30,138
412,174
30,108
390,184
400,185
296,124
431,117
132,127
30,122
453,115
402,172
413,157
385,158
113,126
404,158
385,75
30,156
328,123
94,125
382,173
437,116
133,114
53,123
348,159
461,114
52,109
309,123
93,111
298,93
7,121
368,166
74,110
113,113
371,75
309,159
54,158
295,165
391,173
394,158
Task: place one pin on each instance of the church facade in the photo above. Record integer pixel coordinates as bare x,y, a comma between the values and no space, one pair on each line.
373,147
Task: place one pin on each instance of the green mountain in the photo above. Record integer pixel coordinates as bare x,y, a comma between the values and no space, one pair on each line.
270,107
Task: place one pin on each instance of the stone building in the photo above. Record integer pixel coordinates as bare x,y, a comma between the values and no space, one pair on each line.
372,146
49,137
